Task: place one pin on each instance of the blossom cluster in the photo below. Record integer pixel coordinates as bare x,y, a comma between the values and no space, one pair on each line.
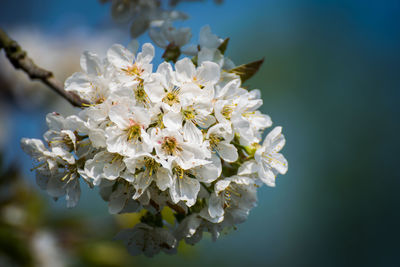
144,14
187,136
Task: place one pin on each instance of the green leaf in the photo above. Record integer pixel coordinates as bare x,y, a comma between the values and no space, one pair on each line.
223,46
246,71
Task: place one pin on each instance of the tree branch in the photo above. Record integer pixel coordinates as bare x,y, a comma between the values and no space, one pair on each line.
20,60
174,207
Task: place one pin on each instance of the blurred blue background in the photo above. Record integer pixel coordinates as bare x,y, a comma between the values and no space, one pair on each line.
330,78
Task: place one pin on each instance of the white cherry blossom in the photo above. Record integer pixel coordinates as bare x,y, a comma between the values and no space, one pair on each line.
185,137
270,161
167,35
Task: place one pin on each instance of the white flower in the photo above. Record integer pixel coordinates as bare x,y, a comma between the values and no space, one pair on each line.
92,84
208,39
208,73
219,137
143,14
145,169
56,172
186,183
209,44
128,135
184,138
270,162
146,239
170,146
234,196
131,69
67,133
228,90
119,197
162,89
195,112
104,165
167,35
192,227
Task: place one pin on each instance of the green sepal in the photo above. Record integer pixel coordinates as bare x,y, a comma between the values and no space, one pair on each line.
172,53
223,46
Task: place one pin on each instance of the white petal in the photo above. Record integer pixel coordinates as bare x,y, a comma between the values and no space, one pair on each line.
182,37
166,74
117,200
266,175
221,185
73,193
207,38
65,155
215,206
97,138
33,147
41,179
278,162
133,46
120,57
94,167
55,121
229,88
190,50
191,133
206,121
260,121
185,69
116,140
155,91
275,141
185,189
248,167
208,73
173,121
147,54
91,63
158,38
164,179
221,129
188,227
119,115
227,152
80,83
141,183
55,187
113,169
210,54
207,173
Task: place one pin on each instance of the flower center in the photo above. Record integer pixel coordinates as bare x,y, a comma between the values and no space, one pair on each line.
189,114
140,94
179,172
172,97
64,140
170,145
133,70
215,140
227,111
133,132
229,192
151,165
70,173
98,96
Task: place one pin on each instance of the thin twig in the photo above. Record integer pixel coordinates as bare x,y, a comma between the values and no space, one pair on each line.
174,207
20,60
